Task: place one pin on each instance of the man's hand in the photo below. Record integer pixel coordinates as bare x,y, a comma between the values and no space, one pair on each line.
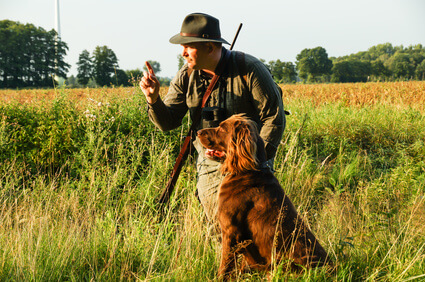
150,85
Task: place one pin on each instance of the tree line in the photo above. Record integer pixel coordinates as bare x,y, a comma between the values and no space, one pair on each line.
382,62
101,69
32,57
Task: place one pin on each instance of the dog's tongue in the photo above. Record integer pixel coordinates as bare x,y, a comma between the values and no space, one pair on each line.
214,153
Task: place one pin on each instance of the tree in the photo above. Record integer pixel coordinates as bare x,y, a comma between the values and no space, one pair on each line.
351,71
289,74
72,82
134,76
30,56
276,69
105,63
283,72
385,50
402,65
379,70
120,78
420,71
312,63
85,68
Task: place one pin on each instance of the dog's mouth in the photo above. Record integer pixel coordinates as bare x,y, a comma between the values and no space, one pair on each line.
215,154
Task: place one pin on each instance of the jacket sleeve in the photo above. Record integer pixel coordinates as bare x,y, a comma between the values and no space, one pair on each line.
268,101
167,114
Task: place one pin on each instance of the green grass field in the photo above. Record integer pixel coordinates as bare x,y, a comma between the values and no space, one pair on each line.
81,170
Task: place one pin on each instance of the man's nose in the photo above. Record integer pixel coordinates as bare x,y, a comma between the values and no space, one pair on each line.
184,52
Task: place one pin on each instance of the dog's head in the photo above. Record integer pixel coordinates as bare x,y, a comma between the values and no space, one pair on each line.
234,142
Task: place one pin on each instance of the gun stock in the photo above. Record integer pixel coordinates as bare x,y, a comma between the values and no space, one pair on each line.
184,153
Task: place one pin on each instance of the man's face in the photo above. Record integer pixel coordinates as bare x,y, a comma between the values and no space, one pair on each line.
195,54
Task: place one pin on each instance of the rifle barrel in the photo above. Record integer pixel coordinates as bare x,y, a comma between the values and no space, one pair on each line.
236,36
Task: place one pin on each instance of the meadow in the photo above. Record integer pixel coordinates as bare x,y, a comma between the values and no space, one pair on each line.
81,171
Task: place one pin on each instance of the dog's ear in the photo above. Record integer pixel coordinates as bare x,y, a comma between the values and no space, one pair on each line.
242,149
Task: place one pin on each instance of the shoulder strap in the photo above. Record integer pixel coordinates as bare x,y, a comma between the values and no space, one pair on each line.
215,78
197,118
240,61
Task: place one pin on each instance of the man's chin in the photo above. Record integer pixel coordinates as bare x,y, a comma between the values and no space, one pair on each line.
192,66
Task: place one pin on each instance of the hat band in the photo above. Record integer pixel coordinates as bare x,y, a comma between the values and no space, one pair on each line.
199,35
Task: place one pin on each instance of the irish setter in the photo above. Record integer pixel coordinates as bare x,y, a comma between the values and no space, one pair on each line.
256,218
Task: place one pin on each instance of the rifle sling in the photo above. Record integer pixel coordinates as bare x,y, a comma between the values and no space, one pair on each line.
184,151
221,66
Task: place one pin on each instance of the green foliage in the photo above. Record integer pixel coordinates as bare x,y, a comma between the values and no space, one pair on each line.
351,71
283,72
401,65
181,61
49,140
102,67
313,64
420,71
105,63
388,63
30,56
85,68
79,183
72,82
134,76
120,78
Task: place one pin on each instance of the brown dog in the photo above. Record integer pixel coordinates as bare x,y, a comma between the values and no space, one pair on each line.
256,218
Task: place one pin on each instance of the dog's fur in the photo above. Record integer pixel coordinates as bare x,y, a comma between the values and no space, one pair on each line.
256,218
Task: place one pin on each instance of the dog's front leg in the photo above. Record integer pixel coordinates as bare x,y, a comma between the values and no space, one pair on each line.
228,255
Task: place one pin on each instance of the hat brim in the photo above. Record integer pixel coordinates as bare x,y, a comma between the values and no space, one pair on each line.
179,39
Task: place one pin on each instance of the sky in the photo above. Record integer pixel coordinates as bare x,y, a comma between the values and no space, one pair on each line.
139,30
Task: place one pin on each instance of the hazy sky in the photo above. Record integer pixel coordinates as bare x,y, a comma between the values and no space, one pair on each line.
139,30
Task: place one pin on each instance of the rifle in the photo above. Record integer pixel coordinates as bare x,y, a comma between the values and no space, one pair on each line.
185,149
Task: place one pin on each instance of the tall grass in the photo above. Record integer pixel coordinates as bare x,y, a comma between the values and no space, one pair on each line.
80,172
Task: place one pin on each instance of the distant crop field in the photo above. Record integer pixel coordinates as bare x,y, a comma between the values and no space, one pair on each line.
81,171
401,94
396,94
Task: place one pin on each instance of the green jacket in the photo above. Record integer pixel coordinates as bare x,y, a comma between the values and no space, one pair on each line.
244,87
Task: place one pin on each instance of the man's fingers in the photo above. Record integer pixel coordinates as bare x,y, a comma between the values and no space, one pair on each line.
151,74
150,69
148,80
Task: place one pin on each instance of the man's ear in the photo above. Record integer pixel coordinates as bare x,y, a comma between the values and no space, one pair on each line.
210,47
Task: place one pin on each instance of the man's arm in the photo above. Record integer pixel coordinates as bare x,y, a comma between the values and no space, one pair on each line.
166,114
268,101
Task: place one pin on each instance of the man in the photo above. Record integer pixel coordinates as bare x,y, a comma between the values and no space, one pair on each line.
245,86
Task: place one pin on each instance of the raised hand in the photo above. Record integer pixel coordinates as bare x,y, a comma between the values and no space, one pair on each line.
150,85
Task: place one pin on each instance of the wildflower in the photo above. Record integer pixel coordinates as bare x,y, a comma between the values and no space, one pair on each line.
91,116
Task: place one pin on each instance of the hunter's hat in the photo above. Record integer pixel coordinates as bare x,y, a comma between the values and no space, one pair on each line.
198,27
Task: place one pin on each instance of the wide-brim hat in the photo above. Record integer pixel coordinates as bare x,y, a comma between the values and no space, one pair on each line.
198,27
